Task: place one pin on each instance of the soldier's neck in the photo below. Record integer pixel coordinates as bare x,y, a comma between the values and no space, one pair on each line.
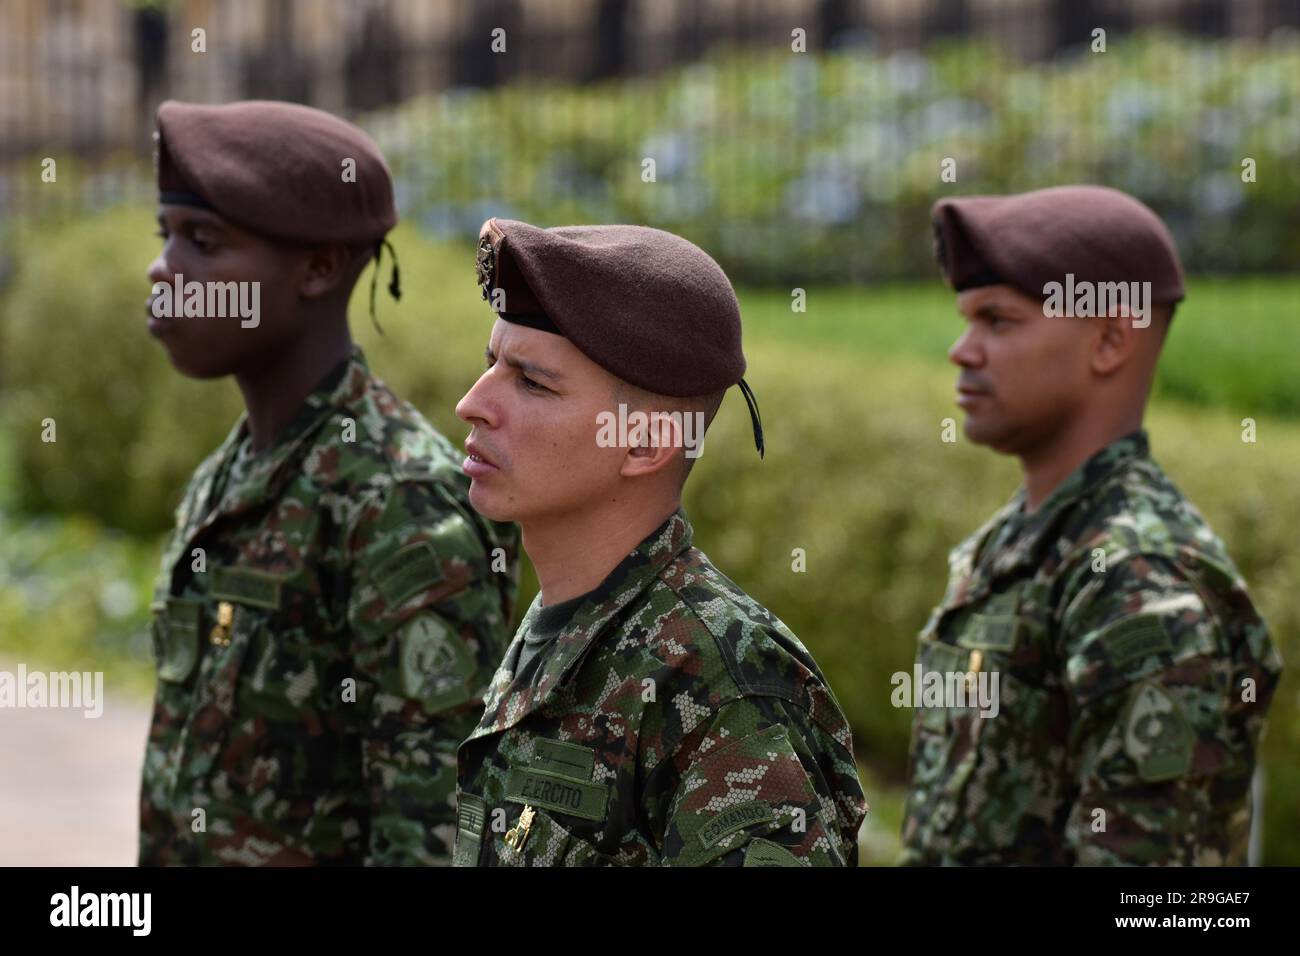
573,553
275,388
1049,463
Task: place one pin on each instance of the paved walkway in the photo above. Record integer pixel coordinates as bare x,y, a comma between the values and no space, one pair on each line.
69,786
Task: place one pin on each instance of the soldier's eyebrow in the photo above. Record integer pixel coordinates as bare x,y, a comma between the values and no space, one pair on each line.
530,368
187,220
993,310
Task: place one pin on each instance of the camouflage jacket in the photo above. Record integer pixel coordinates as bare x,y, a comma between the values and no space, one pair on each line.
324,626
1133,678
672,721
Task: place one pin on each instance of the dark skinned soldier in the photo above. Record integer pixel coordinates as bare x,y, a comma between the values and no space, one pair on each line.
330,608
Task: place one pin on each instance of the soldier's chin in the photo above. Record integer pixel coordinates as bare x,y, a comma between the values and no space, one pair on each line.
195,363
980,431
488,503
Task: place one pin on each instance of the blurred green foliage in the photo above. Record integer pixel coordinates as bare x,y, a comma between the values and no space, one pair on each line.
1233,344
803,169
75,596
856,474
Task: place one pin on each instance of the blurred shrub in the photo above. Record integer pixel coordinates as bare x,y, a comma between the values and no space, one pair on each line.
75,596
801,168
129,429
76,351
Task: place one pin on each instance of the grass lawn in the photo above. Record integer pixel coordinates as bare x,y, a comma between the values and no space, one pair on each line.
1233,344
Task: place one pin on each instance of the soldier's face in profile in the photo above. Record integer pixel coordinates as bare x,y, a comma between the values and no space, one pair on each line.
1024,375
532,453
204,248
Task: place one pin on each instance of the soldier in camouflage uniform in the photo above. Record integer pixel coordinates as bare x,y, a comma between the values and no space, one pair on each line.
648,712
330,608
1134,671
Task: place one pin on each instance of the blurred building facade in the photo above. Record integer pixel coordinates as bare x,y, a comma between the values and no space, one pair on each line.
86,75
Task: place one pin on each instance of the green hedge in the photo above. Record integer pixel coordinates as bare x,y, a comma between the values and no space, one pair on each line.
129,429
856,474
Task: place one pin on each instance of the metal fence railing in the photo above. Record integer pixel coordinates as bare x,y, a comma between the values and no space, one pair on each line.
80,79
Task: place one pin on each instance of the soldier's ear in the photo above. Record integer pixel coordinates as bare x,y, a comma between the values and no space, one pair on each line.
655,447
1116,340
328,267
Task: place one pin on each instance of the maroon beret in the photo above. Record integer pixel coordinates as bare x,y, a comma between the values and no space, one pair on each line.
645,305
276,169
1031,239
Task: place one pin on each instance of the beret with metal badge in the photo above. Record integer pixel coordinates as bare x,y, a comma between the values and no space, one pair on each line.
647,306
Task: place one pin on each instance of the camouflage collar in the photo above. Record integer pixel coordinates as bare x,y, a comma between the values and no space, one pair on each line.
1027,531
269,471
505,705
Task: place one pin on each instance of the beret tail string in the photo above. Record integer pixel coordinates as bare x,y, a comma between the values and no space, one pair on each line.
395,282
374,280
754,416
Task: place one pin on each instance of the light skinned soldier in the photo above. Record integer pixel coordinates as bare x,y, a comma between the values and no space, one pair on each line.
648,711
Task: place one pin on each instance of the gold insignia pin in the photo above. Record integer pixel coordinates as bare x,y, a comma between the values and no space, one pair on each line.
220,636
519,833
976,661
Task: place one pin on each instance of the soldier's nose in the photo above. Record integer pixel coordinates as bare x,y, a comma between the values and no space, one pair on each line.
964,352
476,407
158,271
